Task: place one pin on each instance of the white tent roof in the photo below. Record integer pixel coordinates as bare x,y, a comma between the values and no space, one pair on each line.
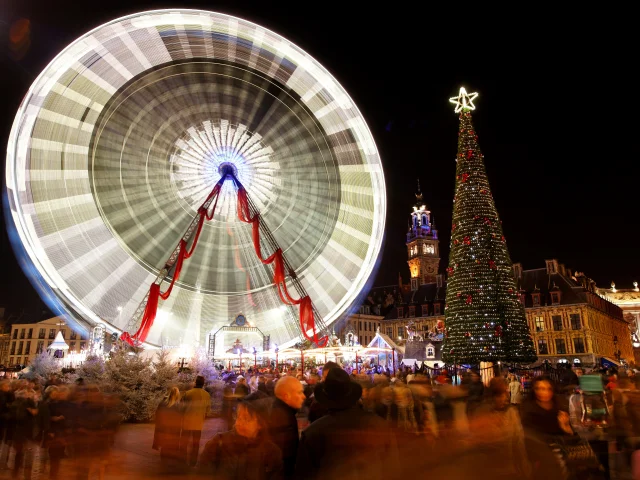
382,340
58,343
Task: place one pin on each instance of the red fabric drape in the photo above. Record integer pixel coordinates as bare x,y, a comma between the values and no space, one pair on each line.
151,309
307,318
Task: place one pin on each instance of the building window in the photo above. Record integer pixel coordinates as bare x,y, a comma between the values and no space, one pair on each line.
64,333
425,310
360,325
400,333
542,347
27,348
436,309
539,324
42,333
20,348
11,361
22,333
52,333
49,344
82,346
431,352
15,334
400,312
575,321
73,335
18,360
561,348
30,333
13,348
390,332
40,347
578,345
536,299
412,311
557,323
72,347
555,298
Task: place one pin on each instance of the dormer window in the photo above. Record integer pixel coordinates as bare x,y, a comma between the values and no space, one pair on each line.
425,310
555,298
412,311
517,270
400,312
523,298
552,266
536,299
436,309
431,351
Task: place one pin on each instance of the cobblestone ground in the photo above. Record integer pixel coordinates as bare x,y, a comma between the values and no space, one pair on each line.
131,457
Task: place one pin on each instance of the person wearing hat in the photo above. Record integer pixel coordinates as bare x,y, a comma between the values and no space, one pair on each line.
242,389
347,442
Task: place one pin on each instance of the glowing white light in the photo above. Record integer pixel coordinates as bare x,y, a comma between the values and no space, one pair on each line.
210,132
464,100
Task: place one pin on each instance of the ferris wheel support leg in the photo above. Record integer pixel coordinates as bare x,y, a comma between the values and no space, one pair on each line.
172,264
320,331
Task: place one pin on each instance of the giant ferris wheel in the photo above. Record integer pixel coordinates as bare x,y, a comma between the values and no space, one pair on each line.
172,169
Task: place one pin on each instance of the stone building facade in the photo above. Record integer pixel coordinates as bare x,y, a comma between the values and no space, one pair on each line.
29,339
628,299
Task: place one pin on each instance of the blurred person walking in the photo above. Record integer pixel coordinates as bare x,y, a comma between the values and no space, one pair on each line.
6,421
245,452
55,411
348,443
197,403
24,413
166,437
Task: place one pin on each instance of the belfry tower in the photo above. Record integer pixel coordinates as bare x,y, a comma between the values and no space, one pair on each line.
422,245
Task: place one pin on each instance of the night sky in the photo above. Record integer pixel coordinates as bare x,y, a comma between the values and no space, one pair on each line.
554,114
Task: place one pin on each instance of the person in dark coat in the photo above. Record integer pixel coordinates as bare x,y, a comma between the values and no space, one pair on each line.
6,420
166,437
55,412
25,413
244,452
283,423
316,409
242,389
348,443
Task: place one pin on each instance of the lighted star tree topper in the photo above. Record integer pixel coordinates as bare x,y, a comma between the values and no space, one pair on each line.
485,321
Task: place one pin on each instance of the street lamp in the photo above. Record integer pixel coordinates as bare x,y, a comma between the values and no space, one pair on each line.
182,359
616,352
255,358
277,350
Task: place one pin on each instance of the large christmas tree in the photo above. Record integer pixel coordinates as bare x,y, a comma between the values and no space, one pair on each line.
484,319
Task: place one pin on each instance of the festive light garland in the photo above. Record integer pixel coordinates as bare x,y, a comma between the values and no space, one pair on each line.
485,320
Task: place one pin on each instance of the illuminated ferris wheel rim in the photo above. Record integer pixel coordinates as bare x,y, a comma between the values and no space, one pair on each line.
18,147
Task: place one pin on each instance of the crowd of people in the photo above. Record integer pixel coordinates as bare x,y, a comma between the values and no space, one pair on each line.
331,422
75,421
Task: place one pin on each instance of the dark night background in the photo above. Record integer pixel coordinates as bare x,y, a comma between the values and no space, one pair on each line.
554,114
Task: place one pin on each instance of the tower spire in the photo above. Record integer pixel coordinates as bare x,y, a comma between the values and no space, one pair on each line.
422,244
